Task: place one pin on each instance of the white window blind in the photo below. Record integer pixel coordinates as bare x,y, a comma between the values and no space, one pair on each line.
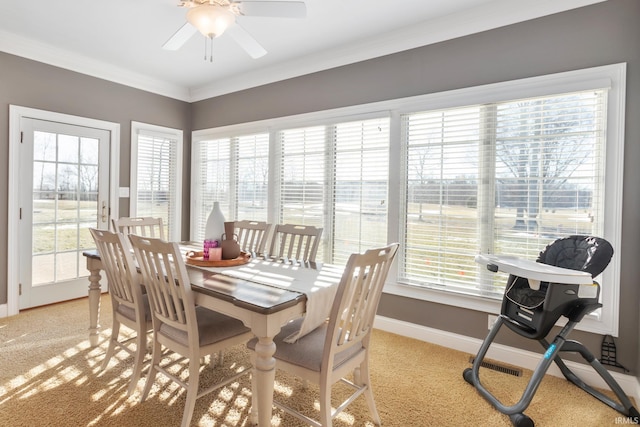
303,182
303,179
234,171
155,175
211,181
506,178
360,187
441,206
252,177
335,177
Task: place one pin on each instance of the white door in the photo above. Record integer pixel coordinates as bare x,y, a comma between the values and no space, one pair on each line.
64,190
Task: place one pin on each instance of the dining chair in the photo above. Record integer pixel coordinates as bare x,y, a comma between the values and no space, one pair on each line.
180,326
295,242
130,307
252,235
142,226
340,346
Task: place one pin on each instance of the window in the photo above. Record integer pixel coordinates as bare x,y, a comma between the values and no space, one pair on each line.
252,177
504,168
156,179
508,168
360,187
233,171
506,178
332,176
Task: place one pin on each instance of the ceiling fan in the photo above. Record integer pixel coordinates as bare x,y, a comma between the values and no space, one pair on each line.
212,18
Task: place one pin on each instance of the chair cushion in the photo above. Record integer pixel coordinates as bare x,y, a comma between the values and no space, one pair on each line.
129,313
307,351
582,253
526,297
213,327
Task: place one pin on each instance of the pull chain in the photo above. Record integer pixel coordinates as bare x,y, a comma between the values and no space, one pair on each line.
208,48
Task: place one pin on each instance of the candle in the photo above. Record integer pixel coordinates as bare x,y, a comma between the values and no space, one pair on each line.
215,254
208,244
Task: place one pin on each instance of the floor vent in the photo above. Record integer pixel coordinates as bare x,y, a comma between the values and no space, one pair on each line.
500,368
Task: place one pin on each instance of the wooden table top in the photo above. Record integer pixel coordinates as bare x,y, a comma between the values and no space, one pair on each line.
253,296
256,297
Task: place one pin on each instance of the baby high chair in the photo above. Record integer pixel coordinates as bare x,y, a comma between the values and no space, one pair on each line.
560,283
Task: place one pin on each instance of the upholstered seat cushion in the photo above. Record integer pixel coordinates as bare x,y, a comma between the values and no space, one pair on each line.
129,313
212,327
582,253
306,351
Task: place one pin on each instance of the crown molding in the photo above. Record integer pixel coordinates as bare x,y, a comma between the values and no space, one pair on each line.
496,14
58,57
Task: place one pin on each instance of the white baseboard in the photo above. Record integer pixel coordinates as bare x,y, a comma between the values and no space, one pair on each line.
502,353
4,310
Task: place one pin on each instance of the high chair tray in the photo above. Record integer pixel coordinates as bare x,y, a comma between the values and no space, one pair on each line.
534,270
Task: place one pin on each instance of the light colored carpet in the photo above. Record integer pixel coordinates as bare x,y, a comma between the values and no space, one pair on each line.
50,376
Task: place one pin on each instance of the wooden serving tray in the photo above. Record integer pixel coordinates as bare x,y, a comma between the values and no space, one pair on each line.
195,258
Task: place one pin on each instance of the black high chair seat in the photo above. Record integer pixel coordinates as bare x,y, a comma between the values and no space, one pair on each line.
537,294
533,312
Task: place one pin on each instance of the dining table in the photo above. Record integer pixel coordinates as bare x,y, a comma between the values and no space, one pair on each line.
263,293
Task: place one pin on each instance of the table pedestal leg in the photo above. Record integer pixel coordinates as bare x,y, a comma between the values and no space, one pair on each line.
262,384
94,302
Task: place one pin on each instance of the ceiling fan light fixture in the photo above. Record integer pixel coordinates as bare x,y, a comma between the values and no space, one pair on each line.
210,20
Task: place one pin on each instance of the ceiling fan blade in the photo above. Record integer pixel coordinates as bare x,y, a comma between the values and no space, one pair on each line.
246,41
276,9
180,37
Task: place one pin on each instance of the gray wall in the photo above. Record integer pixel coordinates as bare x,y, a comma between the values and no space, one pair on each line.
35,85
596,35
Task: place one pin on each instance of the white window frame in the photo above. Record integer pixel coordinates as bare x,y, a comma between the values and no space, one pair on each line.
137,128
609,76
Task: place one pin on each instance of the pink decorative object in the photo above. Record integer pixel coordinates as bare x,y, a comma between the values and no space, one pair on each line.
208,245
215,254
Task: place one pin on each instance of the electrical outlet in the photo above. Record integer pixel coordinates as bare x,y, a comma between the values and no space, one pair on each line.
491,321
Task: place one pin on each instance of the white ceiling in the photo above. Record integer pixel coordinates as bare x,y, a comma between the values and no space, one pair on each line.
121,40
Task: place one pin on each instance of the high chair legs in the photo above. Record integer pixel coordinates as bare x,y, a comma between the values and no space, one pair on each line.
516,411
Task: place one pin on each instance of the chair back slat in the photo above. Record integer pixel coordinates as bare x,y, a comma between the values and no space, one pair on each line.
356,301
141,226
167,282
252,235
117,259
295,242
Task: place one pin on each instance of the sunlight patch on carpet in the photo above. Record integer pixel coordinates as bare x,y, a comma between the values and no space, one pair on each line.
282,389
